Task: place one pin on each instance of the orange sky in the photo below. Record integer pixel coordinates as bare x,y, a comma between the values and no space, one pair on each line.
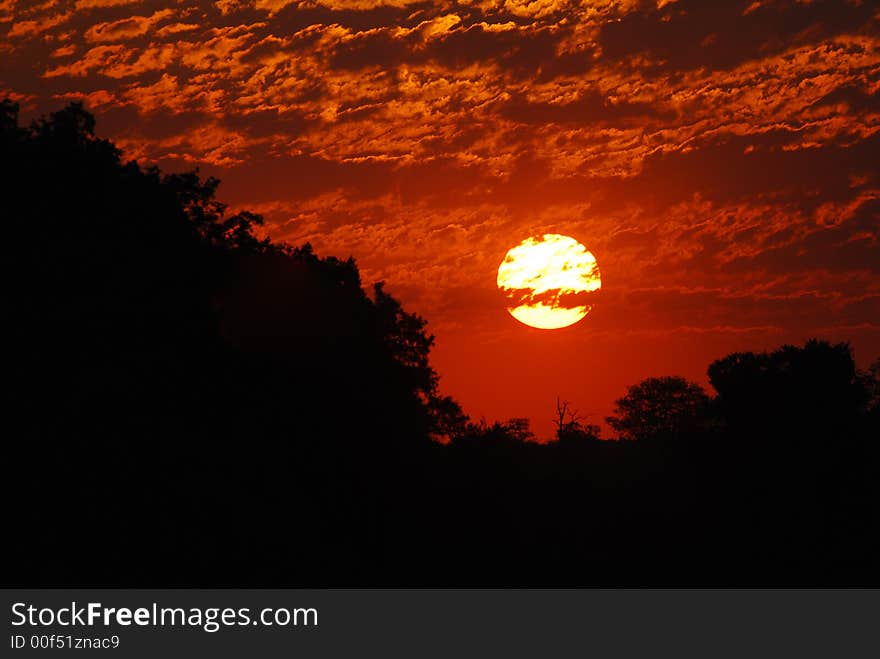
719,159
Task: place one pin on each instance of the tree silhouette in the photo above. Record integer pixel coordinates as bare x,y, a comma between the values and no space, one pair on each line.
570,426
661,407
809,392
159,342
871,383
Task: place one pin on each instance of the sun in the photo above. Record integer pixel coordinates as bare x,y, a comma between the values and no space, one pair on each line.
547,281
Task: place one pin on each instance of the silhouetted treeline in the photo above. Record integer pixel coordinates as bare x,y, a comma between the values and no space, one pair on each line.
194,405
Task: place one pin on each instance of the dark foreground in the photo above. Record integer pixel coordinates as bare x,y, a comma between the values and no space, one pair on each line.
194,406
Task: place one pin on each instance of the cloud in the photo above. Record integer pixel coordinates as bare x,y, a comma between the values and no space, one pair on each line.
126,28
176,28
82,5
33,28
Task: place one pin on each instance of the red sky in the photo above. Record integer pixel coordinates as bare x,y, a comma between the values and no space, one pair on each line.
718,158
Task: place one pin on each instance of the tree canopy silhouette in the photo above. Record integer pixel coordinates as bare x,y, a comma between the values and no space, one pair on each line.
663,407
161,344
810,389
140,275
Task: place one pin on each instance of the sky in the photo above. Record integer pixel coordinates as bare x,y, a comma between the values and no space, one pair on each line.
720,160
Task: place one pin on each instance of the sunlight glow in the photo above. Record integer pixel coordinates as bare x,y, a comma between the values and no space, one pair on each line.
545,278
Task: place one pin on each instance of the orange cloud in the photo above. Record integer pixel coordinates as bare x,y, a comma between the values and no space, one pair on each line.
126,28
176,28
30,28
94,100
99,4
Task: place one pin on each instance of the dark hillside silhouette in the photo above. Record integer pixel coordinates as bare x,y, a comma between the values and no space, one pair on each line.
194,405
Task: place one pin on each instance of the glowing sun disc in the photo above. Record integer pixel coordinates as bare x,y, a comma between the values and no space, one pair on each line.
547,281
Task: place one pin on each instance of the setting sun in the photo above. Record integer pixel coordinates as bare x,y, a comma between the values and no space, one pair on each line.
547,281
